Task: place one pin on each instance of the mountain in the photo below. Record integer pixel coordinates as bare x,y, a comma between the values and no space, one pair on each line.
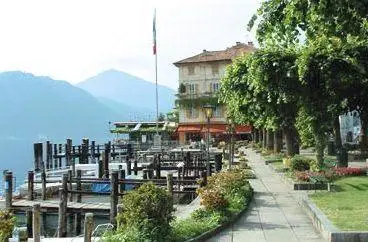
37,108
130,91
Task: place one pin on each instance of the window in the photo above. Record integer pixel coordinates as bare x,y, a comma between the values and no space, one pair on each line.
191,70
217,112
215,86
192,112
192,88
215,69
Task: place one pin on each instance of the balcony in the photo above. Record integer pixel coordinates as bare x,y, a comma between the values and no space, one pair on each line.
196,99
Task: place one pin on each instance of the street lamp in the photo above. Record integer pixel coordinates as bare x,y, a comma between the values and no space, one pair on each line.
208,110
231,145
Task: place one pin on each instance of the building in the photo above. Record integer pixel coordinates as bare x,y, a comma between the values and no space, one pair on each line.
199,81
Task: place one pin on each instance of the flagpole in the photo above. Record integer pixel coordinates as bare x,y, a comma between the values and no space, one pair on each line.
155,52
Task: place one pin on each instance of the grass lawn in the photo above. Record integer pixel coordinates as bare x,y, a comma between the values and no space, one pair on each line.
348,208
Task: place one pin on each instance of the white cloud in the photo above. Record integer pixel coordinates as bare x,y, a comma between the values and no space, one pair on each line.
76,39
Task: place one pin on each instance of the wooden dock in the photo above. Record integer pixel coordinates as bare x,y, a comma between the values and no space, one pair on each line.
53,206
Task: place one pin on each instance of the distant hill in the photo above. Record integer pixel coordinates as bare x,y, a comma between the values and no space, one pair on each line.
130,91
36,108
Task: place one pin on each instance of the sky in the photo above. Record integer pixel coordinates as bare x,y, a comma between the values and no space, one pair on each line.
73,40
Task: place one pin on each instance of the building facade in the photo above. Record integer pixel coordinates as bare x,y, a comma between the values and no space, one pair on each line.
199,82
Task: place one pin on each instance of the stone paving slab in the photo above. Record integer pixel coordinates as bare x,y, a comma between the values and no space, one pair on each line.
273,215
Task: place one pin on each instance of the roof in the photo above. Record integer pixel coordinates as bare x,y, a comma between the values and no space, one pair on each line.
222,55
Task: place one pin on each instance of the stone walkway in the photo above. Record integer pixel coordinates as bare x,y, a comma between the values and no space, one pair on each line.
273,215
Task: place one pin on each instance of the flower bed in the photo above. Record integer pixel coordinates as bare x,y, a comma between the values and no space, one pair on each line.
329,175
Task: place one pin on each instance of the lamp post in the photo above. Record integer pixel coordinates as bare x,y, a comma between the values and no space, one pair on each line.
231,145
208,110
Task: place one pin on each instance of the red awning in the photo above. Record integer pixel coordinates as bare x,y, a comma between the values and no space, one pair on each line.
243,129
215,128
189,128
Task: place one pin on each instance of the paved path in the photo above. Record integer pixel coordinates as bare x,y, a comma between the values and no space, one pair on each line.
274,214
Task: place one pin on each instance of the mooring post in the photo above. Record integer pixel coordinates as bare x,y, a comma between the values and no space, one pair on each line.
129,165
43,181
88,227
60,158
70,185
68,152
48,161
100,167
62,221
55,154
145,175
78,215
36,222
135,167
169,183
93,145
30,194
106,160
8,189
204,178
114,197
29,216
37,156
122,184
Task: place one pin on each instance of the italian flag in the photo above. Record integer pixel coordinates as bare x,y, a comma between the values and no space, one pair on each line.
154,33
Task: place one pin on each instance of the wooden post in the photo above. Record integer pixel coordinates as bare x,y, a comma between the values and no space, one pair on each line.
48,158
43,180
85,145
70,184
100,167
145,175
204,178
60,159
169,183
122,177
106,160
79,185
88,227
36,222
8,189
37,156
113,197
62,221
29,216
78,216
135,167
55,159
150,173
93,145
68,152
30,186
158,167
129,166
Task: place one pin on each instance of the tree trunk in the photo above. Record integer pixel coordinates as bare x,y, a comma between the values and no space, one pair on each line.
363,142
270,140
289,141
341,158
256,136
260,136
296,141
264,139
320,147
277,144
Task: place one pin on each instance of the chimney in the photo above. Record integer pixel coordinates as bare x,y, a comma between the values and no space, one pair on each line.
250,43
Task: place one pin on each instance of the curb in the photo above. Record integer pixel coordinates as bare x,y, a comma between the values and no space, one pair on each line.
215,231
327,229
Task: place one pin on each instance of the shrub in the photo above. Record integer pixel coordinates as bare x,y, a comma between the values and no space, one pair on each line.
148,210
7,224
286,162
212,199
300,163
